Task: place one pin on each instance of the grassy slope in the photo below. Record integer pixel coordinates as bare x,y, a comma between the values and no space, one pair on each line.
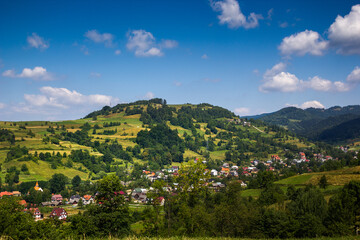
336,179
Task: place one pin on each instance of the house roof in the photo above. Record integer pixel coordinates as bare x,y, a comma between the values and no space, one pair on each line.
5,194
87,197
75,196
58,212
56,196
22,202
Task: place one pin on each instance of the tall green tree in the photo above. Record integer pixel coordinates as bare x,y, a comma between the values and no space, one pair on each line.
323,182
58,182
76,181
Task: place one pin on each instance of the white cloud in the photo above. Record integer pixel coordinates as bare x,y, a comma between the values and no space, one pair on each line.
149,95
2,105
270,14
232,15
277,79
56,104
308,104
205,56
36,41
344,33
312,104
169,44
242,111
9,73
106,38
284,24
275,70
142,43
281,82
302,43
153,52
354,76
37,73
320,84
117,52
341,87
65,98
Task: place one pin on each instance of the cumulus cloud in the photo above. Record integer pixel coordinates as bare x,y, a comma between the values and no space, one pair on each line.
354,76
302,43
2,105
281,82
344,33
149,95
52,103
277,79
37,73
312,104
144,44
341,86
117,52
95,36
320,84
308,104
242,111
38,42
230,14
65,98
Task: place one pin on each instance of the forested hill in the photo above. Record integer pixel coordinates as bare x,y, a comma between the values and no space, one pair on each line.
150,134
311,122
342,132
150,111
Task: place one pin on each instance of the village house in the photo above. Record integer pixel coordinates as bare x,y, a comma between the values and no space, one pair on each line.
2,194
36,213
88,199
214,172
74,199
58,213
139,195
56,198
217,186
23,203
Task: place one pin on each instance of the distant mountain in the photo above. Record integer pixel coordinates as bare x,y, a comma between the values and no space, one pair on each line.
342,132
312,122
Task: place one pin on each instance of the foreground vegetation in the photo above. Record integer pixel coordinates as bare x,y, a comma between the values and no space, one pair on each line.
191,209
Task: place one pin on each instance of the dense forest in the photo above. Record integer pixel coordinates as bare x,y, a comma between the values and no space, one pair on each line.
315,124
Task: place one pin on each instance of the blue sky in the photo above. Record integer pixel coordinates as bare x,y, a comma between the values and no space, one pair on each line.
61,60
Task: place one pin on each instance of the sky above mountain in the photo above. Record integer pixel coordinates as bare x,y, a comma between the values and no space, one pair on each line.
62,59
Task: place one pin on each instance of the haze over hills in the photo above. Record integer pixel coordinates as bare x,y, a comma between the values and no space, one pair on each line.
312,122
